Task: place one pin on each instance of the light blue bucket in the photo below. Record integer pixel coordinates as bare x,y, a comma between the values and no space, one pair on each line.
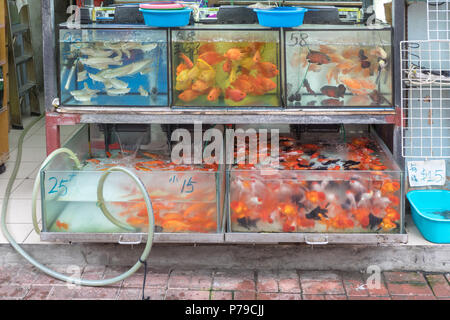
431,213
281,17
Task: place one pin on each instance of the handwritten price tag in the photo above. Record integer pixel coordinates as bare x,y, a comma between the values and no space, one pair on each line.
426,173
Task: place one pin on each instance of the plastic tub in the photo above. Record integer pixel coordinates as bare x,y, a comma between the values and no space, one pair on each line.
166,18
162,6
430,212
281,17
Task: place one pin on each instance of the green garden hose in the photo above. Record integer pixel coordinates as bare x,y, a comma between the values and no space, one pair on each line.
52,273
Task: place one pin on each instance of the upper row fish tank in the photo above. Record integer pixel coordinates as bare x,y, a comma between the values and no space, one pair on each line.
113,67
227,67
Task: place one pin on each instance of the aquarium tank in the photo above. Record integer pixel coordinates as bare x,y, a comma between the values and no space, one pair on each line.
113,67
344,67
226,68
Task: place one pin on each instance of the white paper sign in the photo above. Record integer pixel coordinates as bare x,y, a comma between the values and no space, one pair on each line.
426,173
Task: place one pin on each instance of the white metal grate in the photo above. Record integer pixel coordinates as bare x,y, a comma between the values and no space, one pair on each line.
438,14
425,98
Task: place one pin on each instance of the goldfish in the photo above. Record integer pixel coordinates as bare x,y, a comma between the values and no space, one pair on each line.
234,54
332,103
95,161
200,86
181,67
257,57
318,57
334,92
267,84
390,187
203,65
358,86
267,69
287,209
214,94
187,61
211,57
62,225
206,47
227,66
315,196
188,95
235,94
207,76
242,83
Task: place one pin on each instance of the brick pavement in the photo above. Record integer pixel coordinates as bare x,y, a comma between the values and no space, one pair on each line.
25,282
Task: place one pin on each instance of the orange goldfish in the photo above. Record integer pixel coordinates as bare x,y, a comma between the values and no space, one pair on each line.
199,86
235,94
234,54
227,66
188,95
209,46
390,187
62,225
242,83
315,196
211,57
214,94
257,57
187,61
268,69
266,83
93,161
207,75
181,67
318,57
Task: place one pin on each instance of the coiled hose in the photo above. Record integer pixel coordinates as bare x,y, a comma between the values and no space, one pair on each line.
52,273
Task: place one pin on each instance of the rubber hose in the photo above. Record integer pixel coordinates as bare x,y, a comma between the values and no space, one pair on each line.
53,273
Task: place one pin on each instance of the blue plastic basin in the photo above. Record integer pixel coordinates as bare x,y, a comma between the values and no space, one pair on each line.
166,18
281,17
430,212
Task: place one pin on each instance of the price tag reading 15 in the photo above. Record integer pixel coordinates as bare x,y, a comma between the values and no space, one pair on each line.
186,184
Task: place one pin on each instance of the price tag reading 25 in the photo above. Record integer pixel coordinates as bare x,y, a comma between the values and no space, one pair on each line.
59,185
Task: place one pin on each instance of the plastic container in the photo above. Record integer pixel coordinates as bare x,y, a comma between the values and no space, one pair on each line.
166,18
430,212
281,17
162,6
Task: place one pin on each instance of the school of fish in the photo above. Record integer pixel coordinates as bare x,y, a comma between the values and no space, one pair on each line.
233,73
320,187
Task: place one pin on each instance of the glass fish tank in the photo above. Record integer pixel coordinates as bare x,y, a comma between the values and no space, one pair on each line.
185,198
348,67
226,68
104,66
322,184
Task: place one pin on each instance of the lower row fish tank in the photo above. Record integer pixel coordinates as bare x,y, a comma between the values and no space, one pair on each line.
105,66
185,198
323,183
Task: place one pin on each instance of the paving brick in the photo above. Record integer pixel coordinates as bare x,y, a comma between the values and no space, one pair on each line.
97,293
278,296
369,298
411,297
93,272
38,292
288,282
313,297
244,295
193,280
68,270
222,295
136,294
13,292
26,275
114,271
377,289
335,297
181,294
320,275
354,285
407,283
267,281
448,277
322,287
156,278
234,280
439,285
8,274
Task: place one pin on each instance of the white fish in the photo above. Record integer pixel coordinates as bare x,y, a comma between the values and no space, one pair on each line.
117,92
85,94
118,84
82,76
101,63
142,91
97,53
256,201
96,78
145,71
128,70
148,47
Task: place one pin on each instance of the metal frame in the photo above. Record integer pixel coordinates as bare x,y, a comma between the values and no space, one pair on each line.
55,117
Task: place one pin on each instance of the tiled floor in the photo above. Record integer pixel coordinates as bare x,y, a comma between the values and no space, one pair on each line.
19,217
25,282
